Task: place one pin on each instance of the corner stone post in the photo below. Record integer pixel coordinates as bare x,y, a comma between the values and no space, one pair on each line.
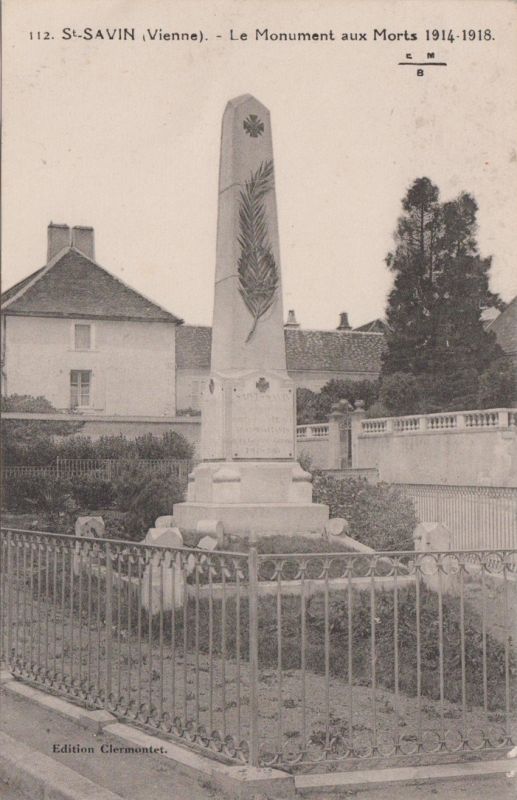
357,416
335,450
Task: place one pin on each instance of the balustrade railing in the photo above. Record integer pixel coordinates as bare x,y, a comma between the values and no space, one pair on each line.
494,419
320,660
314,431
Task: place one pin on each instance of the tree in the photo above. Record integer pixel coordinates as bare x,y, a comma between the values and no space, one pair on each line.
316,406
434,309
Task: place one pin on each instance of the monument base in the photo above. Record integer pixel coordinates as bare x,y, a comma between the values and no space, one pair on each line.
242,519
252,496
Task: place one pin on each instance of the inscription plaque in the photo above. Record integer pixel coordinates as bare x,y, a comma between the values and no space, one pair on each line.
262,422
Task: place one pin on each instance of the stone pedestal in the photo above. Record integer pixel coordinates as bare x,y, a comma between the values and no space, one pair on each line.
249,479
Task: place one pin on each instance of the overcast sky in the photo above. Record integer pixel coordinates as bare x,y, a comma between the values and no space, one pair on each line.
124,136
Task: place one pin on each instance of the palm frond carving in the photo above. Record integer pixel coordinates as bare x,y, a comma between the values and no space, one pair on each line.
258,273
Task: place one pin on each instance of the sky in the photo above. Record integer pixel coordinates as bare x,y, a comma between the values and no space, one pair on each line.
124,136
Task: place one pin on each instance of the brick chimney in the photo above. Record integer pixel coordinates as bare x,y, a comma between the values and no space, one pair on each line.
344,324
58,237
291,320
82,239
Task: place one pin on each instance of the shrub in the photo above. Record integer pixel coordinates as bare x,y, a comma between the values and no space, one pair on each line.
145,497
92,491
148,446
48,494
28,442
379,516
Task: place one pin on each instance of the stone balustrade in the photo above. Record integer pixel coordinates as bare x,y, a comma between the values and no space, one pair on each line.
488,419
314,431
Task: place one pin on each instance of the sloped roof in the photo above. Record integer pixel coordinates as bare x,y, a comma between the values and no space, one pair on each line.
505,328
72,285
332,351
19,286
374,326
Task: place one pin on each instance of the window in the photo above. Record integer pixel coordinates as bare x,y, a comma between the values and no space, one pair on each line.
82,337
80,388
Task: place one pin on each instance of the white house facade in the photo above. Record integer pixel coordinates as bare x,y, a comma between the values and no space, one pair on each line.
77,335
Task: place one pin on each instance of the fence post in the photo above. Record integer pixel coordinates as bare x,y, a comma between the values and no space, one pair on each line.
253,654
109,622
9,599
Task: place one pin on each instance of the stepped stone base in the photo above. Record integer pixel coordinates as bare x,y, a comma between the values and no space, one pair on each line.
241,519
252,496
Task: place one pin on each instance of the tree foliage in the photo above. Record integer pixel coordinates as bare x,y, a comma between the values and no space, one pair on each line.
316,406
441,286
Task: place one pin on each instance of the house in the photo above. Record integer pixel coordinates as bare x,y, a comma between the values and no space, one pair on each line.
313,357
505,328
79,336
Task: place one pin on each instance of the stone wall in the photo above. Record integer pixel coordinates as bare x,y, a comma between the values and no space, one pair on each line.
463,448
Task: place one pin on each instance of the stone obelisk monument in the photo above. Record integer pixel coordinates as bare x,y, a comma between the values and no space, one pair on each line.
248,478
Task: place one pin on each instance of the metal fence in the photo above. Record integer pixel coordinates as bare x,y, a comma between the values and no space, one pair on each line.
107,468
299,661
478,516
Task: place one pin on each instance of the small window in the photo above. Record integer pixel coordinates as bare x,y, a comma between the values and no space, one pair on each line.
80,388
83,337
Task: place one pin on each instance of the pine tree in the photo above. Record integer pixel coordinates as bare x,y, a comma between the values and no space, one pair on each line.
441,286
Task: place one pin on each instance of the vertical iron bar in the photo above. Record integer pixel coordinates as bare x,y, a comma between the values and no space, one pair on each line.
507,638
71,607
196,644
483,638
327,658
119,626
54,609
80,611
210,653
238,645
39,605
109,623
185,651
440,648
167,553
9,578
373,658
223,645
303,663
279,657
89,621
253,655
47,601
150,634
418,657
350,661
463,669
396,648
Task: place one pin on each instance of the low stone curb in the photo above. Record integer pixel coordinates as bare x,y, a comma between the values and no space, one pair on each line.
41,778
244,782
372,779
240,782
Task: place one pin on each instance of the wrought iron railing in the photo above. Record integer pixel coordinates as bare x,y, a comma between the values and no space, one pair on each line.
477,516
103,467
299,661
